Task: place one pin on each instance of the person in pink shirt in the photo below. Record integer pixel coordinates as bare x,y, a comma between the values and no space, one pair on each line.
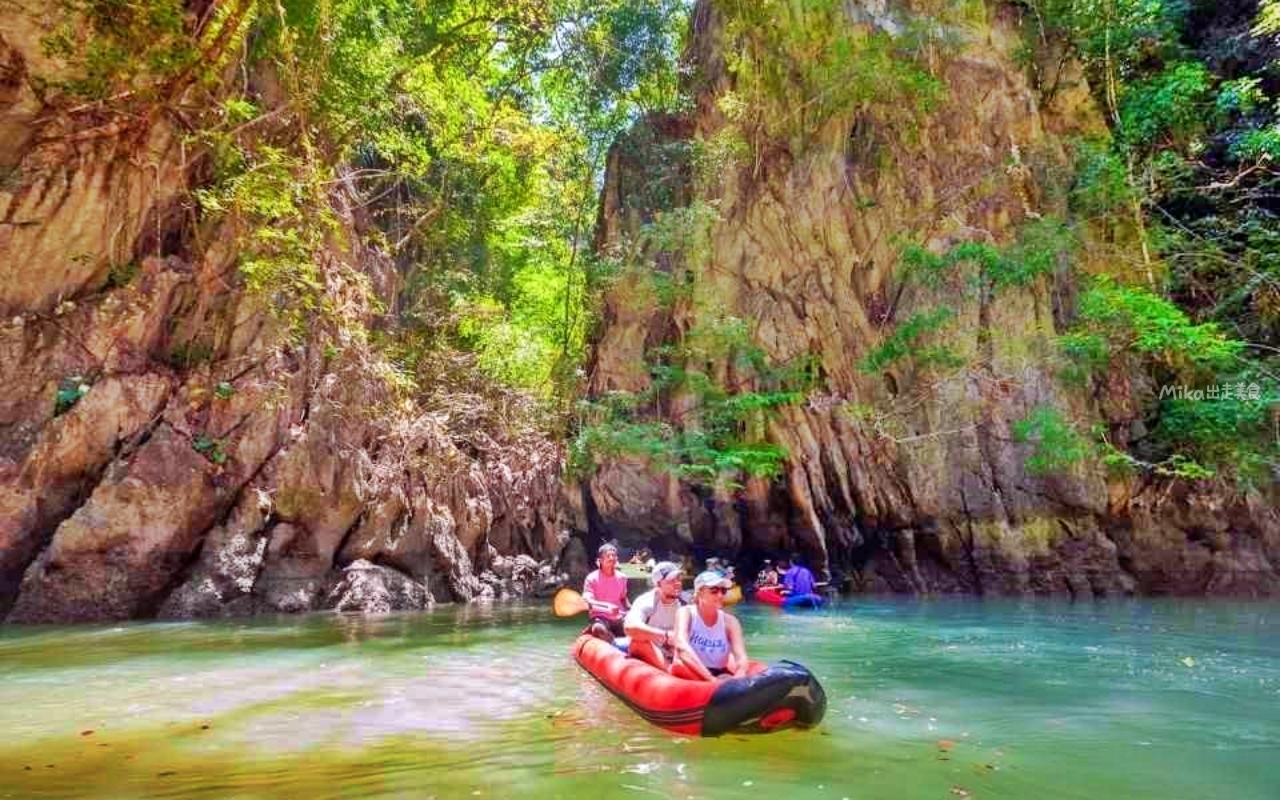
605,591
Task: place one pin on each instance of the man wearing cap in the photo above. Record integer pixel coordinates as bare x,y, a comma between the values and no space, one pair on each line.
709,640
652,617
605,591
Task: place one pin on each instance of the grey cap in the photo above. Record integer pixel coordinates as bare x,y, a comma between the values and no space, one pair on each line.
664,570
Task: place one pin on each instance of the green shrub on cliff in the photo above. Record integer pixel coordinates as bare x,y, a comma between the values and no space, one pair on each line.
705,429
1035,251
1056,444
1184,182
1136,320
1210,412
1170,106
115,47
908,341
798,65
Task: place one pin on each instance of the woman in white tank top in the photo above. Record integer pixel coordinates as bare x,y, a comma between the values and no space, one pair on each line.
707,631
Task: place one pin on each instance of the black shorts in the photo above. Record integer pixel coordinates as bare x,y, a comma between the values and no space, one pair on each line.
614,625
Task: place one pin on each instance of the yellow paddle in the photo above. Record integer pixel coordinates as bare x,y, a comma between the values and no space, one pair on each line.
568,603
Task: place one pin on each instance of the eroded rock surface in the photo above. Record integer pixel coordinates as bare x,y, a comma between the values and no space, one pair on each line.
168,445
910,479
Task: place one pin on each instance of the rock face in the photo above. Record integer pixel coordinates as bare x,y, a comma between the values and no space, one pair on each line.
908,479
167,448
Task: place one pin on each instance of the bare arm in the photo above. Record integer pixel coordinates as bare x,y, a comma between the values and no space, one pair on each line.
737,644
641,631
689,658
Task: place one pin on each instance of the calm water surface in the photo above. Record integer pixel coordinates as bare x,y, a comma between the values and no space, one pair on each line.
942,700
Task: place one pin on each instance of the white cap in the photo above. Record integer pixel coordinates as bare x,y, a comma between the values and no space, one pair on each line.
710,578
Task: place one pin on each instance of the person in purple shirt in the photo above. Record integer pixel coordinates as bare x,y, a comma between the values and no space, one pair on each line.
796,578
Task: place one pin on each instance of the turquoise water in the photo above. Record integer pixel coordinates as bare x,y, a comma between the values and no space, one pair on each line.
947,699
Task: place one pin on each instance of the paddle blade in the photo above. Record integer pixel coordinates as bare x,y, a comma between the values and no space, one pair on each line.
734,595
567,603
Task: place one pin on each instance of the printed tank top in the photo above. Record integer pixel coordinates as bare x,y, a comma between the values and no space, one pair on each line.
710,643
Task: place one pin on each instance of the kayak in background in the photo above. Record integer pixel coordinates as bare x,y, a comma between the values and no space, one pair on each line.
774,597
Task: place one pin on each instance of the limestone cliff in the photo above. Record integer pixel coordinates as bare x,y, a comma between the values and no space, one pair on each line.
908,478
168,446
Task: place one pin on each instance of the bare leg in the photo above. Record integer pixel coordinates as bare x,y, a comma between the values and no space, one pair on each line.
679,670
648,653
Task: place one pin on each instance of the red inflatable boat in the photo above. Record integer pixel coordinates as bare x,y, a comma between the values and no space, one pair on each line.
775,597
769,698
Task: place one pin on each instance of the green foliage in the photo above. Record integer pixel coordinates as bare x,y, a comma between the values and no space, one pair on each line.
224,390
475,131
1058,446
70,390
1101,188
1257,144
1199,430
1133,319
1268,19
117,46
905,342
1242,96
1035,252
1119,35
1087,354
797,65
480,129
275,194
1176,466
1171,105
212,449
616,60
1039,246
505,351
667,252
720,436
1225,433
122,274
